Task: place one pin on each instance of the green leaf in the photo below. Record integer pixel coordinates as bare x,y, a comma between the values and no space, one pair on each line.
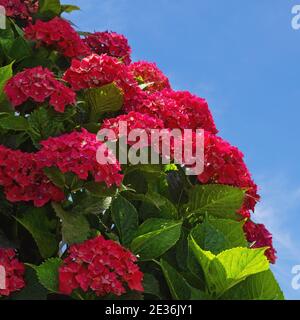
99,189
16,123
180,289
90,204
165,206
108,98
227,269
68,8
35,220
151,285
43,125
125,217
155,237
56,176
261,286
217,200
6,73
49,8
33,289
75,227
20,49
216,235
47,274
7,38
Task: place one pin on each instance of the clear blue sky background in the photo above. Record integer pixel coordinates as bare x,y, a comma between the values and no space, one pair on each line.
244,58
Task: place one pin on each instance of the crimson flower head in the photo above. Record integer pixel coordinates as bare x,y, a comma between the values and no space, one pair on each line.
111,43
224,164
260,237
133,121
76,152
39,84
23,180
20,9
102,266
59,34
14,272
150,74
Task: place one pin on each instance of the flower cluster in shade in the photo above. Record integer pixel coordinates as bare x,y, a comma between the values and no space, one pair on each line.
59,35
14,272
38,84
110,43
23,178
100,266
260,237
20,9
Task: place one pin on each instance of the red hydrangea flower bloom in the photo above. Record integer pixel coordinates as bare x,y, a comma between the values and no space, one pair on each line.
39,84
20,9
111,43
149,73
260,237
24,181
159,106
133,120
57,33
95,71
195,108
77,152
102,266
14,272
224,164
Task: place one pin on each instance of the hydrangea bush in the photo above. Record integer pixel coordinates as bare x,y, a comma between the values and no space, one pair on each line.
72,228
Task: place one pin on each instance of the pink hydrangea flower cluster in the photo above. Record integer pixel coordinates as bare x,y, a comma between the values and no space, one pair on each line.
77,152
149,73
59,34
23,180
101,266
260,237
39,84
20,9
14,272
110,43
133,120
224,164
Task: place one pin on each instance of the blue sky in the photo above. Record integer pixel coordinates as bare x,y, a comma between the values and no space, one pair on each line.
243,57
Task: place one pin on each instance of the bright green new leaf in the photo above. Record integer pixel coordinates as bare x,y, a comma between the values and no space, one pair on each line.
230,267
6,73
